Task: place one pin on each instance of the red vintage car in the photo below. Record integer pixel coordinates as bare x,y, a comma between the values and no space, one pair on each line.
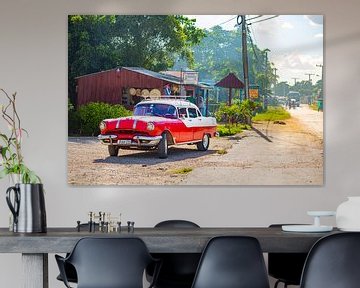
157,124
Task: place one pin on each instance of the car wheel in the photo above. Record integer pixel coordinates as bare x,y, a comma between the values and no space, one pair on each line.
113,150
163,147
204,144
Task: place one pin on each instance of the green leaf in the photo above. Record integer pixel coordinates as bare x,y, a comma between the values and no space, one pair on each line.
5,138
4,172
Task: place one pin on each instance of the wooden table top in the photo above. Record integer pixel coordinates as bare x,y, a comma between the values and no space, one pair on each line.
158,240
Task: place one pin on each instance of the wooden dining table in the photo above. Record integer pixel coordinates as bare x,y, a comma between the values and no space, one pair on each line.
35,247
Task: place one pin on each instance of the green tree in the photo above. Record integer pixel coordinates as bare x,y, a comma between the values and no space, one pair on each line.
98,42
282,89
154,41
89,47
220,53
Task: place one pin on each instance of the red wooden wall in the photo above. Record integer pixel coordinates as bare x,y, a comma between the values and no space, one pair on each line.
107,86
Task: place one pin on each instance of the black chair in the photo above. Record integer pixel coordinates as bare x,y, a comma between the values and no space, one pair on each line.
178,269
69,269
286,267
232,262
108,263
333,262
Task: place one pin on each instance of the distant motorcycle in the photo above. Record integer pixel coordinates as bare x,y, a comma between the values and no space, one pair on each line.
292,103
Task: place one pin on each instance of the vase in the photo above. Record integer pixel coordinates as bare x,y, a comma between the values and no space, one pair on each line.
348,214
27,204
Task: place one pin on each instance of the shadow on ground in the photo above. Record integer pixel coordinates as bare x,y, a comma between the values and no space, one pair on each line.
149,158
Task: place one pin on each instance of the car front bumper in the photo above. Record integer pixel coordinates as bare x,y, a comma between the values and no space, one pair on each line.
136,141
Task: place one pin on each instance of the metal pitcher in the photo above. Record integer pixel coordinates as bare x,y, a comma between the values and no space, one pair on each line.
27,207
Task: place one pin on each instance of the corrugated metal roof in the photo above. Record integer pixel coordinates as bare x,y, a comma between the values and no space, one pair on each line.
165,77
100,72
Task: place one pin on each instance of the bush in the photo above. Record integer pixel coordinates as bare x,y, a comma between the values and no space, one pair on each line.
272,114
230,129
73,120
236,113
92,114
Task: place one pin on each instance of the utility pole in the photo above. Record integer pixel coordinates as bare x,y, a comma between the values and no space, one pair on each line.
244,54
295,80
275,69
322,79
322,70
309,74
266,79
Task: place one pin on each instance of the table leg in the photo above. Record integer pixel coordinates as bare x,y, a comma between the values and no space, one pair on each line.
35,270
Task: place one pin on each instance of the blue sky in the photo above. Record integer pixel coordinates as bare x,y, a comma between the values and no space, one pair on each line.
295,41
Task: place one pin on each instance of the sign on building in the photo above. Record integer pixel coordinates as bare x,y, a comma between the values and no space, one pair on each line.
190,77
254,92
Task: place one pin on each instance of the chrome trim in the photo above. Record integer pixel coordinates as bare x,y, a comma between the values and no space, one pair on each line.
134,124
153,141
136,141
188,142
118,124
104,137
147,138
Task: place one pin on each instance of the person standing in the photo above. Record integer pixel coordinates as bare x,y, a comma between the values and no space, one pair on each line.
201,105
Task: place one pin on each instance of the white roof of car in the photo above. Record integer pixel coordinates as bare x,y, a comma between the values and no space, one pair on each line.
175,102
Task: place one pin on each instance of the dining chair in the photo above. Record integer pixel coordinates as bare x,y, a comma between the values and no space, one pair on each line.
231,262
69,269
285,267
333,262
108,263
178,269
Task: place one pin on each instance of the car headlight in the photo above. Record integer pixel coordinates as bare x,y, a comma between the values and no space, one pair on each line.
102,125
150,126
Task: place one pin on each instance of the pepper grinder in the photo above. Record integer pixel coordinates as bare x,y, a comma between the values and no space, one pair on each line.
78,226
90,221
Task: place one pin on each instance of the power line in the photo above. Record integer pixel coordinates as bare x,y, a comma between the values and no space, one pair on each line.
258,16
255,17
253,33
263,20
222,23
253,46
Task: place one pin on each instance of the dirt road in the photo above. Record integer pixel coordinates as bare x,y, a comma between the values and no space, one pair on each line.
311,119
289,153
272,154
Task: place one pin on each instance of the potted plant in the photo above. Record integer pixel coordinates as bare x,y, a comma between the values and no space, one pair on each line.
26,198
12,161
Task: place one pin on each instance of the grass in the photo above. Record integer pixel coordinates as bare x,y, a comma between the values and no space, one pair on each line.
229,130
222,151
182,171
272,114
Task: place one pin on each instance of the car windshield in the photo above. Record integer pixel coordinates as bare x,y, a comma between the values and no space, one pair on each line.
155,109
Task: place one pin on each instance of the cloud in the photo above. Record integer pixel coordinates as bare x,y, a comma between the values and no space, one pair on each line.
287,25
315,20
296,64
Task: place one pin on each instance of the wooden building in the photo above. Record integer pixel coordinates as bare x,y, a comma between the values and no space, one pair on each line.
125,85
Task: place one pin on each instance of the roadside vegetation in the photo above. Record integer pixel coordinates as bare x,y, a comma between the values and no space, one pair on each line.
222,151
230,129
182,171
272,114
233,119
85,121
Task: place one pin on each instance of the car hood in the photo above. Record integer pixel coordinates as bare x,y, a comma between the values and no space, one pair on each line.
133,123
139,118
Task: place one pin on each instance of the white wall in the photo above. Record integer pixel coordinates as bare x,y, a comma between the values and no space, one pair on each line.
33,62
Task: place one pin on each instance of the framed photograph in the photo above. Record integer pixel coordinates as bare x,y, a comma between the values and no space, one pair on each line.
195,100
